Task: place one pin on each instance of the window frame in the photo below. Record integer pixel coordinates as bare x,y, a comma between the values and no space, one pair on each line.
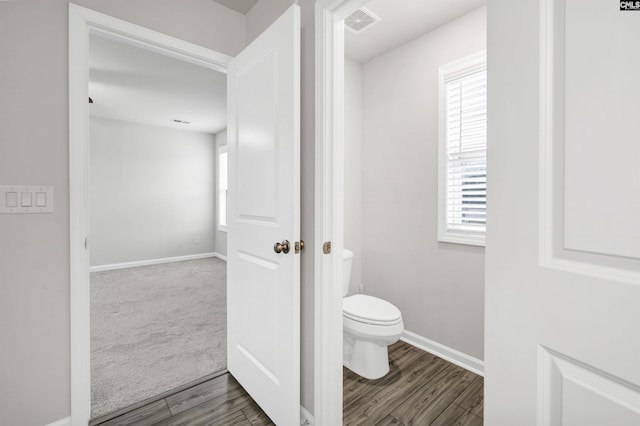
222,149
458,69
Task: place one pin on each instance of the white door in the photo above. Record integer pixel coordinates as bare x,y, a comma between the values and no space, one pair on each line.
563,243
263,287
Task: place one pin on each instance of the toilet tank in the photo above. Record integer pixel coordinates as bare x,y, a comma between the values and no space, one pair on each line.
347,258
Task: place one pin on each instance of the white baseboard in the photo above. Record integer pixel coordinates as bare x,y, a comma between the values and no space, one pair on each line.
220,256
306,419
458,358
155,261
62,422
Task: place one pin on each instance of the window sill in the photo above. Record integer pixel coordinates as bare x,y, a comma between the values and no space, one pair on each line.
466,239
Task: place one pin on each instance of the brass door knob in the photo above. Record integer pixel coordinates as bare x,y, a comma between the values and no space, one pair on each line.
282,247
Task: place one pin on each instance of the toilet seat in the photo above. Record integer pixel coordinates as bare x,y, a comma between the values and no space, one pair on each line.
370,310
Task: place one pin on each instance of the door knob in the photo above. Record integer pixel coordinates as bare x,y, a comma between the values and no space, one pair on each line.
282,247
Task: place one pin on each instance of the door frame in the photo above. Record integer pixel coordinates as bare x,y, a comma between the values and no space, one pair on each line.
329,206
82,22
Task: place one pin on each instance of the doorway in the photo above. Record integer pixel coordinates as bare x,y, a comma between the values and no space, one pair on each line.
85,24
157,243
270,122
392,123
390,144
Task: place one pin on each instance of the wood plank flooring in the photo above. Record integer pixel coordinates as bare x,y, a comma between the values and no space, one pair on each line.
421,389
220,401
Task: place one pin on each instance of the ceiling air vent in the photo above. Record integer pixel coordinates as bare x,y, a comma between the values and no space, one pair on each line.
360,20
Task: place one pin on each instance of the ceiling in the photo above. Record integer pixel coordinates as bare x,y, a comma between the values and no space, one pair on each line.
129,83
241,6
403,21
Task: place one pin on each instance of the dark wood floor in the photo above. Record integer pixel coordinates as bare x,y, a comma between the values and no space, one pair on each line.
218,402
421,389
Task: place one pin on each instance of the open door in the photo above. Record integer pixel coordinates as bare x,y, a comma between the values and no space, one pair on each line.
563,243
263,264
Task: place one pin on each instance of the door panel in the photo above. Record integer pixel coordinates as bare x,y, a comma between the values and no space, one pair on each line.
575,394
263,287
257,139
602,126
563,246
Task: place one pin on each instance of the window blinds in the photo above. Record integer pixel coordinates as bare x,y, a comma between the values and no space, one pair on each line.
466,152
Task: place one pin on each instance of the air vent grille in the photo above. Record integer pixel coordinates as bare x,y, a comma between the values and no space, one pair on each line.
360,20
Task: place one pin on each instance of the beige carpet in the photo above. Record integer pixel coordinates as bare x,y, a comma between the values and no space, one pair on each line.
154,328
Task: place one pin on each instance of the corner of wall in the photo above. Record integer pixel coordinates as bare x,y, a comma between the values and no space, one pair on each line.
262,15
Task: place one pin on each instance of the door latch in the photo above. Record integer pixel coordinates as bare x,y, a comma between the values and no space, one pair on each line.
298,246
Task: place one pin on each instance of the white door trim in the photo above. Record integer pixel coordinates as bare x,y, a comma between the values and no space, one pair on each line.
329,206
82,21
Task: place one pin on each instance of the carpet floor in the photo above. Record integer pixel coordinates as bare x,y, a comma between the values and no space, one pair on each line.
154,328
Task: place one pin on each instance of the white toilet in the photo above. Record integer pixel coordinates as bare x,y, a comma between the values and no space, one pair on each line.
369,326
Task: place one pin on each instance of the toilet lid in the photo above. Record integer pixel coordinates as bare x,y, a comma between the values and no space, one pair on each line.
363,307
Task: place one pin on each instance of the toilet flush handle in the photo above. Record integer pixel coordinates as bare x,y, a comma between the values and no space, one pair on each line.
282,247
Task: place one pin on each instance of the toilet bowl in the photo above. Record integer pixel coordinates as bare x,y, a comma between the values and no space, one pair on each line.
370,325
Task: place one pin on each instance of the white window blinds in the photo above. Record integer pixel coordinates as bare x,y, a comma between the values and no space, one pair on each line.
463,151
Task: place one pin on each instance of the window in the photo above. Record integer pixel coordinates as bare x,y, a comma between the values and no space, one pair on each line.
462,166
222,188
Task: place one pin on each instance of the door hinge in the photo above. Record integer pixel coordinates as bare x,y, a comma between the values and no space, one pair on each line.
326,247
298,246
86,243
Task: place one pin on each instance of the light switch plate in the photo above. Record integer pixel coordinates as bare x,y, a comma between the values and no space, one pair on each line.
40,199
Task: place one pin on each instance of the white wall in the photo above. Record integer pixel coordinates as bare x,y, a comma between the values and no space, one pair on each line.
152,192
353,167
34,139
220,236
439,287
